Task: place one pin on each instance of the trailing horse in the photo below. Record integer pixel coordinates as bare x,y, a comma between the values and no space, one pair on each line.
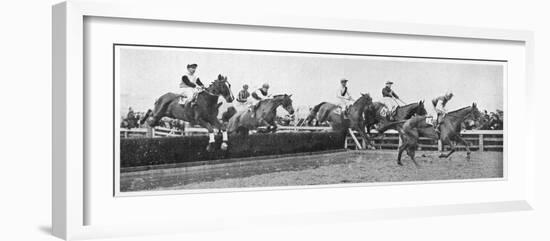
409,132
264,115
334,115
204,112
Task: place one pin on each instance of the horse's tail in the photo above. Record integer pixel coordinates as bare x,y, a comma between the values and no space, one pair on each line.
230,112
145,117
313,113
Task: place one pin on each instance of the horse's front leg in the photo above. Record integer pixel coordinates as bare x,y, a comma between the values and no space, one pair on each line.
466,144
211,136
272,127
366,140
223,130
451,144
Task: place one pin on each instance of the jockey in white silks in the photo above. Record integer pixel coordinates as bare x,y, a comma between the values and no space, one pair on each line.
257,96
242,99
190,85
389,98
439,104
343,97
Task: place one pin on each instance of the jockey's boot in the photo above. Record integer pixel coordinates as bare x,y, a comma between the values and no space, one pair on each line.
346,112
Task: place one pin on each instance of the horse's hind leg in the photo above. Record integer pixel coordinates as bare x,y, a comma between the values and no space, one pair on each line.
400,152
410,151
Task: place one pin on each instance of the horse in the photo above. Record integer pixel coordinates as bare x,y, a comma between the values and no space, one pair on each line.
264,115
333,114
410,131
373,115
204,112
451,126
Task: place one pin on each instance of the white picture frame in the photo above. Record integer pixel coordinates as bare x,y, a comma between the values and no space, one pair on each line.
70,197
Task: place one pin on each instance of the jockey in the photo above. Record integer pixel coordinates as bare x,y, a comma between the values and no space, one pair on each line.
190,84
389,98
257,96
439,104
343,96
242,98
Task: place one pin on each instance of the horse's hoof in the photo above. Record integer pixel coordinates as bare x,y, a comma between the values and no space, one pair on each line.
400,163
224,146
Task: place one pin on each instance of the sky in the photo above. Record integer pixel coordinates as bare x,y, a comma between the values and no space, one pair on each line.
146,73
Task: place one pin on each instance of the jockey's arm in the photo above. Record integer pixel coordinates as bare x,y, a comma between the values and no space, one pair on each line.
394,95
439,107
188,82
199,83
258,95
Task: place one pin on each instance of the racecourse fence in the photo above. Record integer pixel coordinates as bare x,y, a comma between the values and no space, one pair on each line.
482,140
139,152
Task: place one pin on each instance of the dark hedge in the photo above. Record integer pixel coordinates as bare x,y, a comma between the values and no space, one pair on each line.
172,150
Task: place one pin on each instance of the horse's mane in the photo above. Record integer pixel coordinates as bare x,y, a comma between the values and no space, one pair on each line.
407,105
454,111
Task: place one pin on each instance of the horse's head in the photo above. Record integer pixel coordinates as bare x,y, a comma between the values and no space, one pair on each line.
420,109
286,103
222,87
475,113
365,100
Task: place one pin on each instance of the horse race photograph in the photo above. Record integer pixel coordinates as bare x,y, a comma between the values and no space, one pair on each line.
191,119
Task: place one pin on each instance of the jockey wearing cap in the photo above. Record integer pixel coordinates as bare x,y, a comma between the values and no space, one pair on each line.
389,98
343,96
439,104
242,98
190,85
257,96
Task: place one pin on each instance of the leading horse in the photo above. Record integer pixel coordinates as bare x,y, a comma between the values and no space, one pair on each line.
410,130
264,115
334,115
451,126
204,112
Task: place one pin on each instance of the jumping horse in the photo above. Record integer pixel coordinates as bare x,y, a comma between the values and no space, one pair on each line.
335,116
204,112
264,115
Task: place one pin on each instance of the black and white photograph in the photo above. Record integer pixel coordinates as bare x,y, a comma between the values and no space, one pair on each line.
192,118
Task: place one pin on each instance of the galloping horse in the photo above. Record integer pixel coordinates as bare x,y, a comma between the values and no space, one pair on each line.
373,115
264,115
409,131
451,126
334,115
204,112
